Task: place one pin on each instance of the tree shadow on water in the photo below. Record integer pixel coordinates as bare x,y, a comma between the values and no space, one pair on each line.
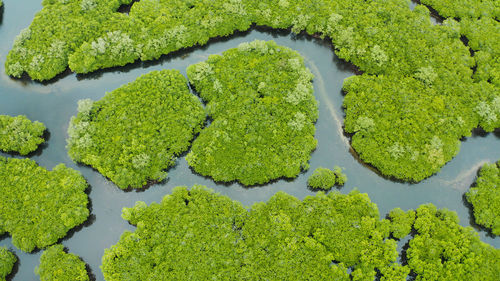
15,269
470,211
1,13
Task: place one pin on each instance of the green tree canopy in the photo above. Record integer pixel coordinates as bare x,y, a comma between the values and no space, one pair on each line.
322,178
55,264
19,134
190,235
444,250
485,197
37,206
325,179
465,8
260,99
404,128
199,235
7,259
134,133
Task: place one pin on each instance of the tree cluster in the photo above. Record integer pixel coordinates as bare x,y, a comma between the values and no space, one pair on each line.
19,134
135,132
325,179
37,206
43,49
56,264
485,197
406,129
260,99
442,249
7,259
388,42
465,8
199,235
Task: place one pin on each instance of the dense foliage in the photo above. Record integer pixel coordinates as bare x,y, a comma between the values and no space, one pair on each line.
7,260
443,250
199,235
260,99
19,134
55,264
43,49
401,222
134,133
325,179
37,206
485,197
371,34
390,43
465,8
405,128
190,235
484,40
322,178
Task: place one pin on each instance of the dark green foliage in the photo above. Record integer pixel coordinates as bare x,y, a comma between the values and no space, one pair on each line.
55,264
260,98
153,28
371,34
323,178
19,134
465,8
37,206
401,222
134,133
291,239
485,197
484,39
443,250
199,235
7,260
43,49
404,128
190,235
341,177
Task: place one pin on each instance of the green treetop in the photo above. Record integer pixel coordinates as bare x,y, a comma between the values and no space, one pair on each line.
7,261
38,207
199,235
325,179
260,98
134,133
19,134
485,197
443,250
55,264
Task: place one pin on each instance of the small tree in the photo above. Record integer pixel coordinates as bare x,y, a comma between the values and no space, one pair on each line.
322,178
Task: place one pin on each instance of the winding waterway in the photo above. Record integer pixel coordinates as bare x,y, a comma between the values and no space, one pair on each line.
54,103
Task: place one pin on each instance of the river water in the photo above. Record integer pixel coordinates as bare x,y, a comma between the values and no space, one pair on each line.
54,103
